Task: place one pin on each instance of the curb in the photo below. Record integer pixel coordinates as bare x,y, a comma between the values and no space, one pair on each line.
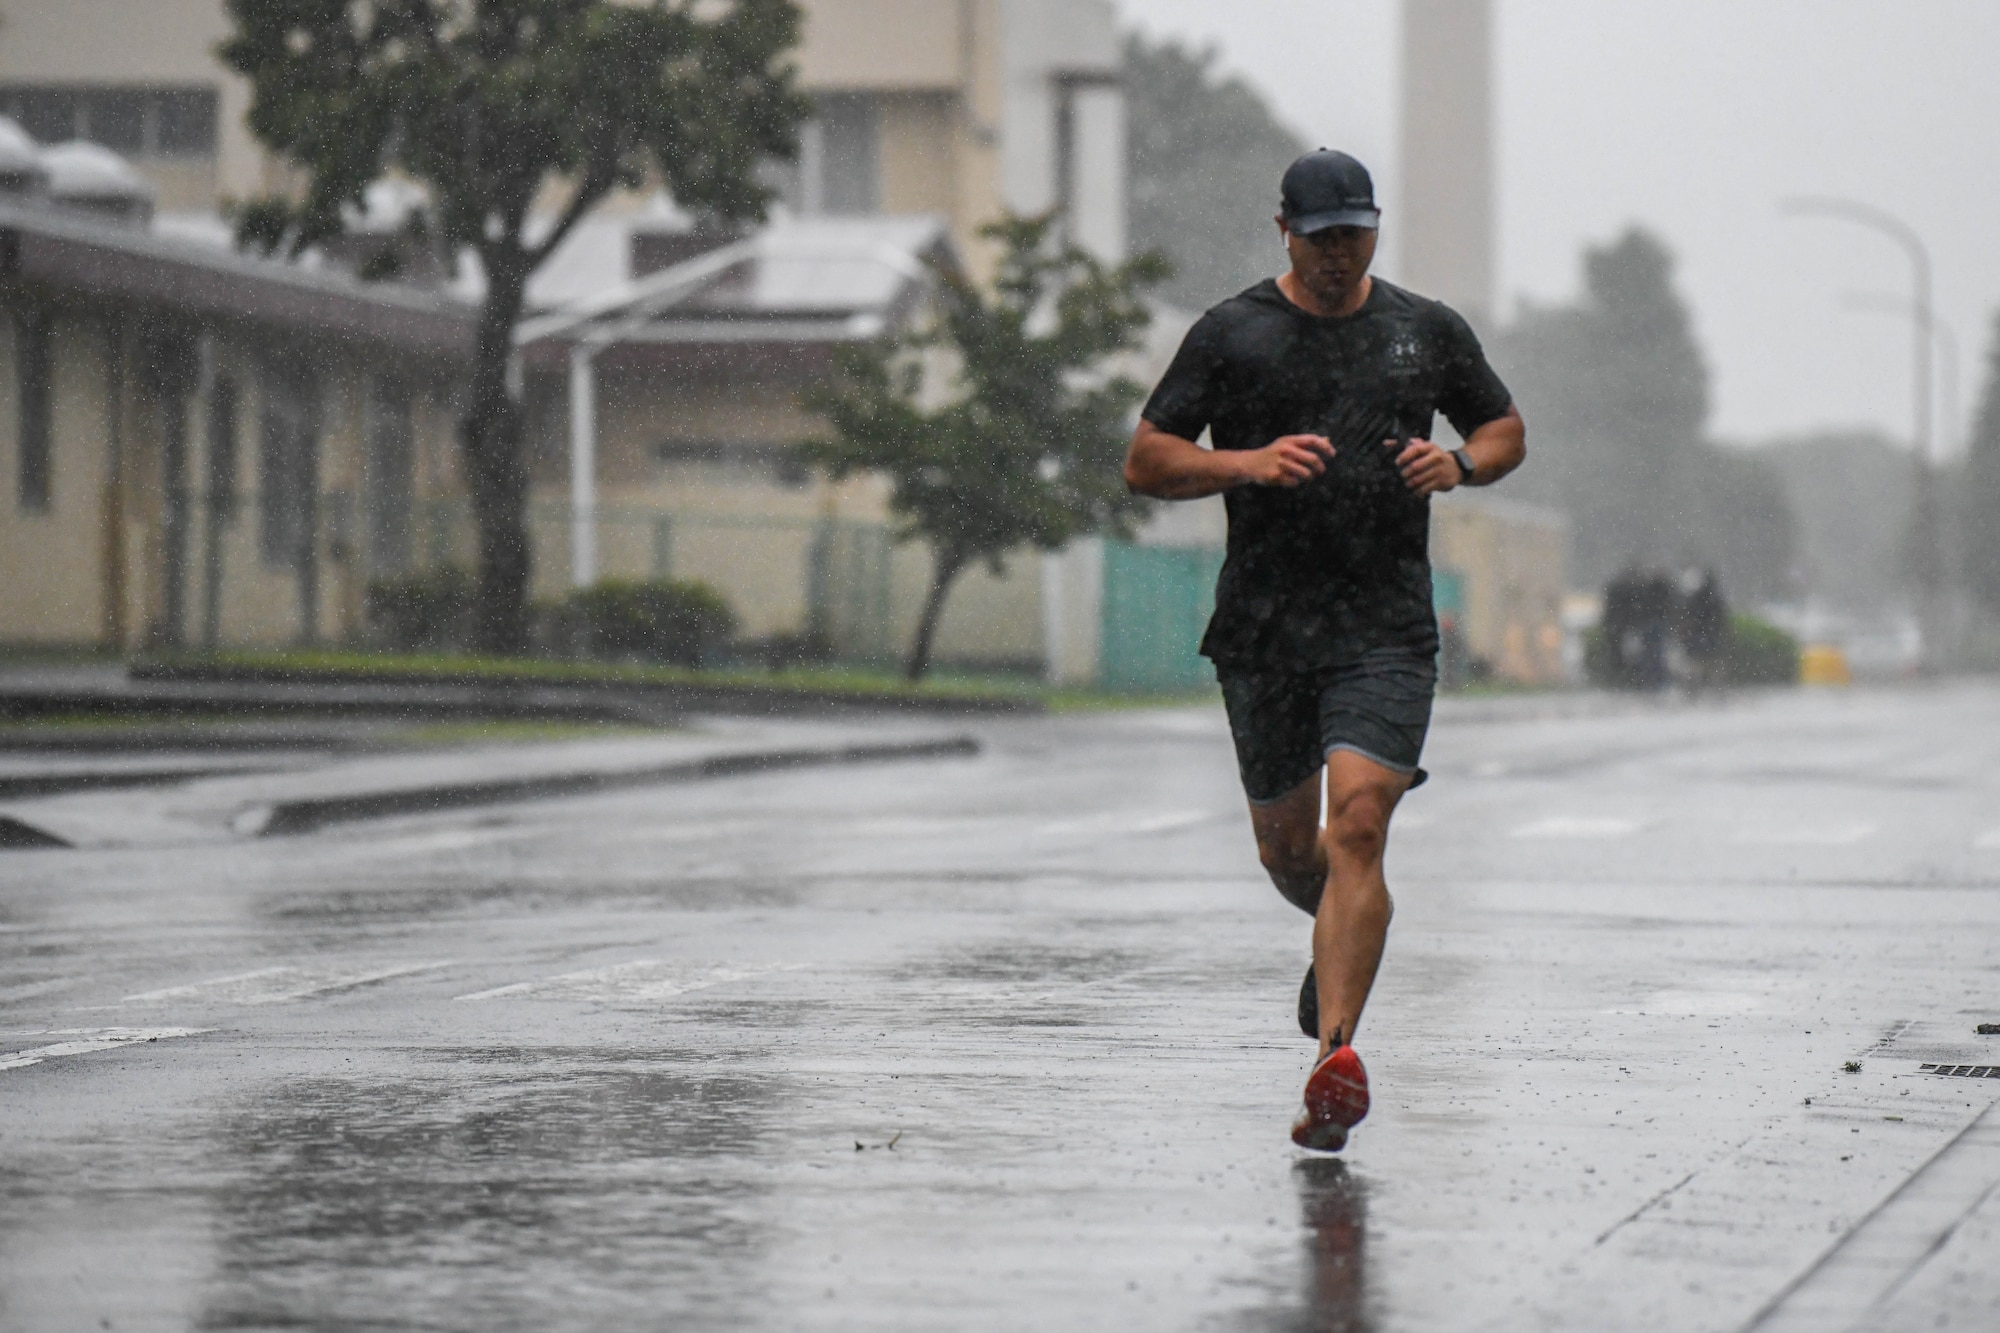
441,701
616,697
281,818
17,835
28,786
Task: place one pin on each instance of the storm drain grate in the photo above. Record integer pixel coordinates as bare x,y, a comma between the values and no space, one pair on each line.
1961,1071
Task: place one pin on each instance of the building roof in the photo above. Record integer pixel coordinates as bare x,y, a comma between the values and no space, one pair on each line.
19,154
805,280
55,248
80,169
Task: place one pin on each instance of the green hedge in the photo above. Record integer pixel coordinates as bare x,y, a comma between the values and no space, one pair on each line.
422,613
676,622
1759,653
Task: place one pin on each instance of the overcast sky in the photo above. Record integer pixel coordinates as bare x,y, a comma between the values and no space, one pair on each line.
1694,118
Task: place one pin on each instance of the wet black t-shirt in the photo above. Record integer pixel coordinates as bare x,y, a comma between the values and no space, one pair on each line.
1318,574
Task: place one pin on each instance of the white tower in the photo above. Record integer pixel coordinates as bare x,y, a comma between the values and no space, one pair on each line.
1446,219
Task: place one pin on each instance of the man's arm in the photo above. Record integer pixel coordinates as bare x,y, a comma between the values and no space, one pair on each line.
1168,467
1496,448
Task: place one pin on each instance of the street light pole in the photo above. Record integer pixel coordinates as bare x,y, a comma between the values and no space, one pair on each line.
1925,550
1887,224
1944,353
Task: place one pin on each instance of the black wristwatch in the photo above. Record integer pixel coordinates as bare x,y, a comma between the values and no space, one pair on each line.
1464,464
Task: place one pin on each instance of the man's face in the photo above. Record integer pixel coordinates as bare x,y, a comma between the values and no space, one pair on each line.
1331,263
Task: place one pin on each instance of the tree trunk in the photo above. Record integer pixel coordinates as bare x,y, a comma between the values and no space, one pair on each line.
491,439
950,564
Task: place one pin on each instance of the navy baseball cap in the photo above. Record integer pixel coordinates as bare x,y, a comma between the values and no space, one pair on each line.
1327,189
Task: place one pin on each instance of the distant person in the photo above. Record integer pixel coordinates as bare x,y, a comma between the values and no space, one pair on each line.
1655,615
1320,390
1702,627
1638,604
1618,628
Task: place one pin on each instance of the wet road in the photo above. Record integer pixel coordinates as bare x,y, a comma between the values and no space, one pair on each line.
1007,1043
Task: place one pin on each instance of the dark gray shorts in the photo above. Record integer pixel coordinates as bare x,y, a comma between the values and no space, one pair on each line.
1286,723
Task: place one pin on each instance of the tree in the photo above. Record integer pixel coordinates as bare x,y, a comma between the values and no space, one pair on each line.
494,106
1616,393
1000,425
1204,162
1851,491
1979,495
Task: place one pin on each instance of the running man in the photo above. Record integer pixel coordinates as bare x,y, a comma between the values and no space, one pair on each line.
1320,390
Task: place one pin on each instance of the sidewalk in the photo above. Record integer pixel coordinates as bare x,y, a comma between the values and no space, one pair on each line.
301,798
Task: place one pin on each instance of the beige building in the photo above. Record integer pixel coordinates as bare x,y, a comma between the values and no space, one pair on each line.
1501,570
937,113
955,108
197,447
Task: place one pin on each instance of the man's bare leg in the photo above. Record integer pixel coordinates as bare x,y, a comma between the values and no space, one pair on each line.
1352,923
1336,874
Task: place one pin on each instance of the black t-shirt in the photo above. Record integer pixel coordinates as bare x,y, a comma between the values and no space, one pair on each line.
1320,573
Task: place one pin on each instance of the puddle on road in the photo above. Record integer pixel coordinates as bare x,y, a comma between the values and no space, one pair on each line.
642,982
480,1197
279,985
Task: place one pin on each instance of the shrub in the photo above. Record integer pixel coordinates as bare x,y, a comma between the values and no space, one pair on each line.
788,652
429,611
675,621
1759,654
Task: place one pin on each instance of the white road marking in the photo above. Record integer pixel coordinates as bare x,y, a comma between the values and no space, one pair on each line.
439,840
277,985
895,828
1578,827
1988,841
85,1040
1693,1004
1123,823
643,981
1824,835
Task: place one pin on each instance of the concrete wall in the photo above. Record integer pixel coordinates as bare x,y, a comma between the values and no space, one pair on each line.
887,45
920,138
53,591
1513,558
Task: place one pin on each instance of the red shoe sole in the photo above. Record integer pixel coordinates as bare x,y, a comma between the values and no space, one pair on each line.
1336,1100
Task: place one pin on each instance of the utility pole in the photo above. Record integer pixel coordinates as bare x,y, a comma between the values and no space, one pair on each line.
1924,551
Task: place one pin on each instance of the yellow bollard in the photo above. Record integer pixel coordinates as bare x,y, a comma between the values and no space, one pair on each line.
1823,664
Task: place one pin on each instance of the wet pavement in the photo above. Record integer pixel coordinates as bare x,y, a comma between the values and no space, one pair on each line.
1007,1042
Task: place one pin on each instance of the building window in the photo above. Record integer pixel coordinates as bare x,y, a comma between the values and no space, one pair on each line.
390,477
766,461
288,466
850,155
838,172
34,370
141,122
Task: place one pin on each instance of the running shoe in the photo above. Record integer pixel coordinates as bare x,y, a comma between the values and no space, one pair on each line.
1336,1099
1309,1004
